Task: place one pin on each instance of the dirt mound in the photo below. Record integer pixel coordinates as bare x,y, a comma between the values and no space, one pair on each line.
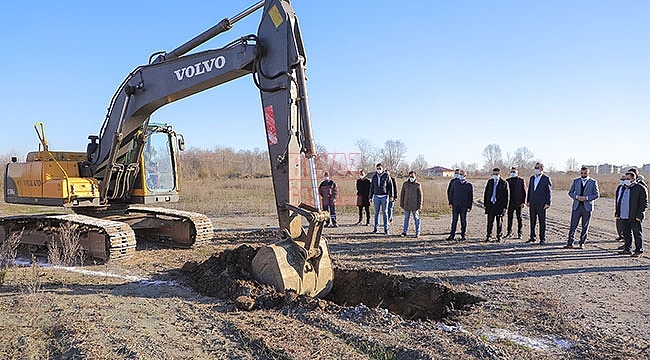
227,275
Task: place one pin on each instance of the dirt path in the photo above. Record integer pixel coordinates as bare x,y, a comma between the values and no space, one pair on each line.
541,301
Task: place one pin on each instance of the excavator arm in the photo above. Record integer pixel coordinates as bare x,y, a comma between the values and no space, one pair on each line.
276,59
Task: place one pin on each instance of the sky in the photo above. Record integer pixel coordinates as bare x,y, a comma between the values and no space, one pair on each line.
565,79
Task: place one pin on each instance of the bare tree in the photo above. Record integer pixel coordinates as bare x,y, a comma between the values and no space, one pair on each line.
492,156
419,164
393,154
369,154
572,164
522,158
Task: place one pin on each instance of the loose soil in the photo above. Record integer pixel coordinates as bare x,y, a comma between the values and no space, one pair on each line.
394,298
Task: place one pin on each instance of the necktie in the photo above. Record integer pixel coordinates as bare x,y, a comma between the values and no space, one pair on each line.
494,192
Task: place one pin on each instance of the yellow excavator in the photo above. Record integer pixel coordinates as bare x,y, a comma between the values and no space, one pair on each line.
133,163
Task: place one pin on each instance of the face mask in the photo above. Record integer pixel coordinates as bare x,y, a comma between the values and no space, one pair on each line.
361,176
512,174
538,171
495,177
327,178
627,182
411,179
462,178
622,182
379,171
457,176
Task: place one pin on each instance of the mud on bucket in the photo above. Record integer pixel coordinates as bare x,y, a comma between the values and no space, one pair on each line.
284,266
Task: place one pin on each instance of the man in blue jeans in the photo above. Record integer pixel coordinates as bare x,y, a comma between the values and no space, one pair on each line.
380,194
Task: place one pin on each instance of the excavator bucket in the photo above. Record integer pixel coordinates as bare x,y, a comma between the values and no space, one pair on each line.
285,265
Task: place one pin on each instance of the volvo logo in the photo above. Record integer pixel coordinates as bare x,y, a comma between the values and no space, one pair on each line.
200,68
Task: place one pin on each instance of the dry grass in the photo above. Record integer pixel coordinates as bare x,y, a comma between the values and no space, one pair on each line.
64,249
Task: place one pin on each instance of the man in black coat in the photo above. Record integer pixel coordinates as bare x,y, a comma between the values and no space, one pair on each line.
539,200
363,201
630,207
495,201
461,199
517,188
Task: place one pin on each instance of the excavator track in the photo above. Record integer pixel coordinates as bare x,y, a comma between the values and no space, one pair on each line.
171,227
102,239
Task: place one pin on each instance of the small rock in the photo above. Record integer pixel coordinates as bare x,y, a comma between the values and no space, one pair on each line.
244,303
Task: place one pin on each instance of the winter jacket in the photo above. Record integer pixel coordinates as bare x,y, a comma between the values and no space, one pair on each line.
638,202
410,198
328,191
363,189
380,185
462,195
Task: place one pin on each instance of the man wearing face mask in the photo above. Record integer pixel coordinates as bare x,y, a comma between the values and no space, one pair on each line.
380,190
619,222
495,201
451,183
461,200
517,188
630,208
539,200
328,192
411,201
363,201
583,191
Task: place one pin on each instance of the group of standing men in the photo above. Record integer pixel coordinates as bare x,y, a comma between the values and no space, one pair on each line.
501,196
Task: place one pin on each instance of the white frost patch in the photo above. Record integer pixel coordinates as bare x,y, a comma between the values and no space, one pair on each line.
447,328
545,345
137,279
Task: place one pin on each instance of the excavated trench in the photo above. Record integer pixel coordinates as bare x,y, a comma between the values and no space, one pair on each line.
227,275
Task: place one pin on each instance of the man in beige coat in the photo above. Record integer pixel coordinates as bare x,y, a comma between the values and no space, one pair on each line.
410,201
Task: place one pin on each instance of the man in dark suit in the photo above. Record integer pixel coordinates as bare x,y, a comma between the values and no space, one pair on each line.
619,222
538,201
517,188
630,207
583,191
495,201
461,199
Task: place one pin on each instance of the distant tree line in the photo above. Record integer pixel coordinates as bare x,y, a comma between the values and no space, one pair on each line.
225,162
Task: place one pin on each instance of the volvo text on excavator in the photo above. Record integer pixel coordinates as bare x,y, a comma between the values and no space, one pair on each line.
133,163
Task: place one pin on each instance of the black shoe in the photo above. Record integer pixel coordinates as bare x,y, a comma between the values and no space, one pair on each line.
487,238
622,247
358,222
568,246
403,234
386,232
499,238
463,238
637,254
374,231
509,234
531,240
542,242
335,225
450,237
519,236
619,238
625,252
581,246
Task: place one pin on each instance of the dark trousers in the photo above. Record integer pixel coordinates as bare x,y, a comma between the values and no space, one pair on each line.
537,212
631,227
511,211
619,227
367,208
455,214
332,209
490,223
576,215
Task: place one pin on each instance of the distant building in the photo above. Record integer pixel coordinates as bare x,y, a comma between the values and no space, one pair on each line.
645,168
438,171
592,168
605,169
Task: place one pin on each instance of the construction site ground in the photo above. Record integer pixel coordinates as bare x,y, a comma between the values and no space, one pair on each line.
505,300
